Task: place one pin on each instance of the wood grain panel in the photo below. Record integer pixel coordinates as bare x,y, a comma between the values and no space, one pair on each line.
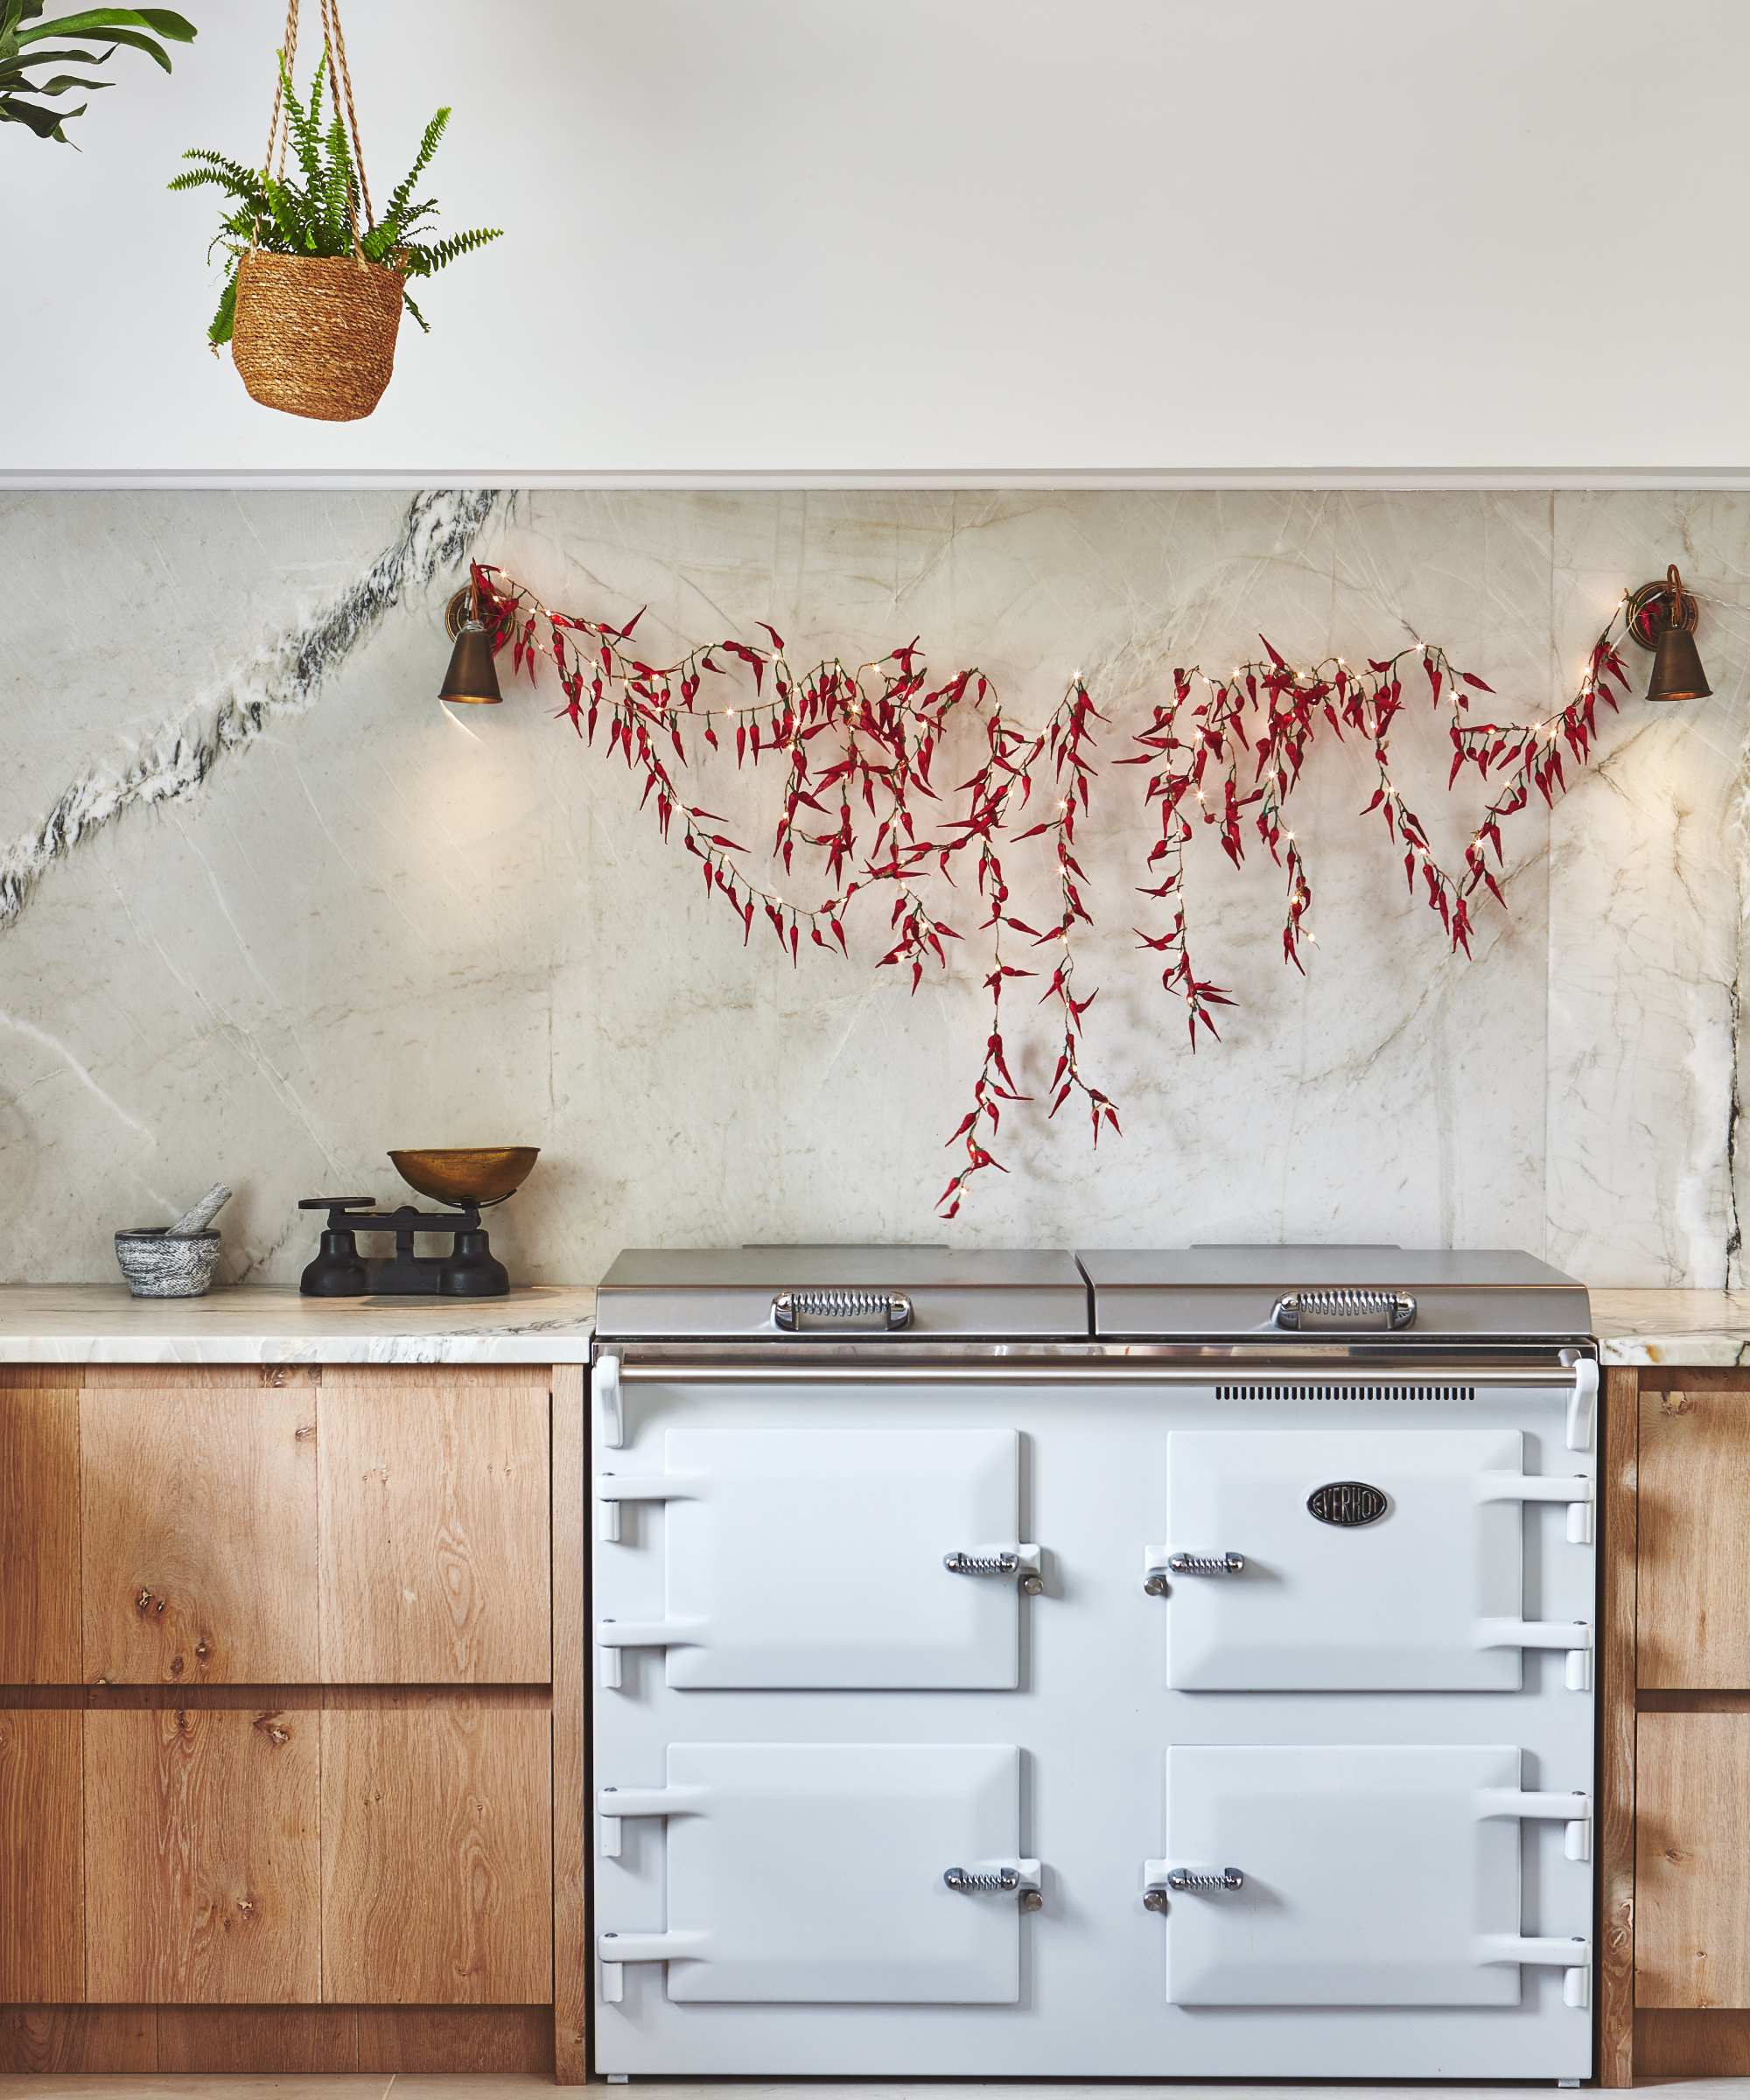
199,1532
1692,2044
1692,1861
258,2040
573,1969
437,1857
436,1528
202,1873
1693,1579
42,1925
1616,1731
456,2038
98,2040
38,1525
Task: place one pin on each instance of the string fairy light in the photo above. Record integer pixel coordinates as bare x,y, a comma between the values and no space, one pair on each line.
882,724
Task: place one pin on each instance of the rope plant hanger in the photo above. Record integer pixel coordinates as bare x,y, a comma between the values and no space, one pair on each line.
312,305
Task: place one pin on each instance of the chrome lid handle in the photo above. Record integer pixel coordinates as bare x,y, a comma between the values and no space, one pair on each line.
1300,1310
1182,1878
1206,1564
884,1309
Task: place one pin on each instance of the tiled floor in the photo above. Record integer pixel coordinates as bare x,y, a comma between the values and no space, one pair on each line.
520,2085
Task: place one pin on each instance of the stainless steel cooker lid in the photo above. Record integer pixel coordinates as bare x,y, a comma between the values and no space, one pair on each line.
898,1293
1296,1291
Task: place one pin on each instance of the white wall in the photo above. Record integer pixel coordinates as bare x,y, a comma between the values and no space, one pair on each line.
1444,239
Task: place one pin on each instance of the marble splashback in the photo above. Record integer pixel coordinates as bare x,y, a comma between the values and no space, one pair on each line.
267,910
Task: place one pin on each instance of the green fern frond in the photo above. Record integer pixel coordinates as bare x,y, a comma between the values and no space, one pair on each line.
424,261
305,124
428,145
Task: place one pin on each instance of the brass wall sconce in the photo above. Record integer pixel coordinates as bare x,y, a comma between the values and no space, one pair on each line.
1661,617
472,675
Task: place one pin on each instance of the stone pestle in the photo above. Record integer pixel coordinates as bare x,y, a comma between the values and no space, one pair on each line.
199,1216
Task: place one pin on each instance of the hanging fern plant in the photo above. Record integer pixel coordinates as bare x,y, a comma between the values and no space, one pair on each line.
26,101
319,215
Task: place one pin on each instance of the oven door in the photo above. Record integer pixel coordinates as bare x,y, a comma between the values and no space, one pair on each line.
846,1558
845,1874
1353,1875
1358,1560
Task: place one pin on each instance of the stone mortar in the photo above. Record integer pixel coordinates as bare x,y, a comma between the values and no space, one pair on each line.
156,1266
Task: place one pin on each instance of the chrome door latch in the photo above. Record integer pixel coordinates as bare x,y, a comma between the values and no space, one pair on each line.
1159,1564
883,1309
1020,1561
1019,1877
1298,1309
1159,1876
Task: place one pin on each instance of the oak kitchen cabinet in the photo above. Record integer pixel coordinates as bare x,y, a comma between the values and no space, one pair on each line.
290,1719
1675,1774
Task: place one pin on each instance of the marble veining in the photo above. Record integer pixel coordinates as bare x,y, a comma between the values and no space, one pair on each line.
279,679
382,924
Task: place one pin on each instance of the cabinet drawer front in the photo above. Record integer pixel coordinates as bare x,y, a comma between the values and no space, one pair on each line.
39,1635
201,1867
1692,1860
42,1943
1692,1607
436,1530
199,1532
437,1855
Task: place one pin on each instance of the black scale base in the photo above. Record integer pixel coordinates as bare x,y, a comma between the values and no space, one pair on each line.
340,1270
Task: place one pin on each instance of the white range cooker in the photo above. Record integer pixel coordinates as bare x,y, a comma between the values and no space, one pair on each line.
1137,1665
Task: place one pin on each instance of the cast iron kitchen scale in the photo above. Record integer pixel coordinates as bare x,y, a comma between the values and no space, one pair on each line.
472,1179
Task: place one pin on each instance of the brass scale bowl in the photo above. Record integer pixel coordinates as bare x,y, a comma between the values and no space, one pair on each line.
481,1174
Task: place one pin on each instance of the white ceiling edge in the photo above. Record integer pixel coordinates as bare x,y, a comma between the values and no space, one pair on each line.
1405,478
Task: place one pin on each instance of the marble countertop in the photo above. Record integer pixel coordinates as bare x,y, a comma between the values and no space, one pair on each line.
99,1323
1672,1326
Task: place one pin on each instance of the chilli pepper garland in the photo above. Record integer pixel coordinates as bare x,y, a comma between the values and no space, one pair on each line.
881,744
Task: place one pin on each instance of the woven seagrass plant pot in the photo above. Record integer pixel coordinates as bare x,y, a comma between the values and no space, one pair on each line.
315,334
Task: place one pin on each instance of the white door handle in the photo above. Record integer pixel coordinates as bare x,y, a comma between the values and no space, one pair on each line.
612,1803
1583,1404
606,1379
1578,1492
613,1488
613,1635
1574,1956
615,1949
1573,1810
1574,1635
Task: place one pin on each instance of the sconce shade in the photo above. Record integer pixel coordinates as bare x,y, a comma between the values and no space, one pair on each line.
1661,617
472,675
1677,669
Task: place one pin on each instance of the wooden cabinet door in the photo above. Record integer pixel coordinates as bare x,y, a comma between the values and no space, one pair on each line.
1692,1859
202,1869
1692,1607
42,1880
199,1495
40,1524
436,1527
437,1855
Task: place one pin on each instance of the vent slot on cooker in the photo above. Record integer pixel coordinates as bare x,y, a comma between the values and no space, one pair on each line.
1345,1392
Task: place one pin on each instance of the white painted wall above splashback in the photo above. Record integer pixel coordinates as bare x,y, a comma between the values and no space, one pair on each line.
310,917
949,238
